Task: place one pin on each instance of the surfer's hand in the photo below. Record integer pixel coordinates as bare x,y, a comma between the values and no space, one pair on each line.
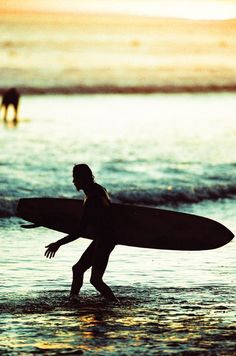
51,249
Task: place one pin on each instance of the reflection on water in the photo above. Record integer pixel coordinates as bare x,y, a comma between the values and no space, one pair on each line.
145,321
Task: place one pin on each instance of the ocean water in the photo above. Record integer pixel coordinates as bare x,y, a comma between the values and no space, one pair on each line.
175,151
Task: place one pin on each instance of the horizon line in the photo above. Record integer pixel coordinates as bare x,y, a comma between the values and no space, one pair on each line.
20,11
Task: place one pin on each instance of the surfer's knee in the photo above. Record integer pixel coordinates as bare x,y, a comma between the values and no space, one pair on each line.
78,268
74,269
95,280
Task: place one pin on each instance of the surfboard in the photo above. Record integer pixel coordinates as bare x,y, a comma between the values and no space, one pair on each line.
133,225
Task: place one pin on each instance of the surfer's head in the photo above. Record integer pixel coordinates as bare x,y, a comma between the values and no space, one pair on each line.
82,176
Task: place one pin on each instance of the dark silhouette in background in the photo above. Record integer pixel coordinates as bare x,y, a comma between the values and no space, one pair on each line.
10,97
96,215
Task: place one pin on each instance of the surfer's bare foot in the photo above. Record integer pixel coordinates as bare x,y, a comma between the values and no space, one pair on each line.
112,298
74,298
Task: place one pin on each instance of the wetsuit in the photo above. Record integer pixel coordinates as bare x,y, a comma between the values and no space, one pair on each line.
97,215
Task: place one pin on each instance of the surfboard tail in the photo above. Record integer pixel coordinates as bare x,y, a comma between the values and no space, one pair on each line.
26,211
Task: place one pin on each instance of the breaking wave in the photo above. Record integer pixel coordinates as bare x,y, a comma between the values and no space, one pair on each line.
176,196
8,207
149,197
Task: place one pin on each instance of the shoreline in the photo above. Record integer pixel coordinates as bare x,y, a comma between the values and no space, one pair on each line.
113,89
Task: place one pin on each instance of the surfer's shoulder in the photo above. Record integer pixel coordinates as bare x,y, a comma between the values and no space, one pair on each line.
100,192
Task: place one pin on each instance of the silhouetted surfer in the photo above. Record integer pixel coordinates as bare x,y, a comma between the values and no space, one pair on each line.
10,97
96,212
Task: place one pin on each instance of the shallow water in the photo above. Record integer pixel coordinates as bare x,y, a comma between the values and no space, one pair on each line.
146,321
170,302
155,149
177,152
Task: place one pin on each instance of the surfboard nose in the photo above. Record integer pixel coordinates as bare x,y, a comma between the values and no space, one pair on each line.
227,235
231,235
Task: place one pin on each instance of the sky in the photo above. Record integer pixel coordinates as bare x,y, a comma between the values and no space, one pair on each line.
194,9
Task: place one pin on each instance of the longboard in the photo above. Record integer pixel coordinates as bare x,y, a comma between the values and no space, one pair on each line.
133,225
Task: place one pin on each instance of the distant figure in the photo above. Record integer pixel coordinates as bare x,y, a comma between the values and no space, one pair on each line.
10,97
96,214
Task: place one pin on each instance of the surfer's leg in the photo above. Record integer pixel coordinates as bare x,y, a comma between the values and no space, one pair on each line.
100,285
84,263
5,113
99,264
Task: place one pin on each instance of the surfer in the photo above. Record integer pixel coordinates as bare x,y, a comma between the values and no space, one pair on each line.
10,97
96,210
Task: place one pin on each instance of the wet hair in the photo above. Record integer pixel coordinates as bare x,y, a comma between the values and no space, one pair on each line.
83,172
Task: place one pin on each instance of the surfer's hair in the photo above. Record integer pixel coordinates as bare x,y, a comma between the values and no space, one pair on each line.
83,171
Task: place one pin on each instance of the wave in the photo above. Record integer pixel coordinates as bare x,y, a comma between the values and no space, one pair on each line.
116,89
149,197
175,197
8,207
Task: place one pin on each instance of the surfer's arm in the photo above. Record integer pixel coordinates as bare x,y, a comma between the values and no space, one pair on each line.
82,227
69,238
53,247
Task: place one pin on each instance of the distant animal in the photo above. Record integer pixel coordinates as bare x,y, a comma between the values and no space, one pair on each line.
10,97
